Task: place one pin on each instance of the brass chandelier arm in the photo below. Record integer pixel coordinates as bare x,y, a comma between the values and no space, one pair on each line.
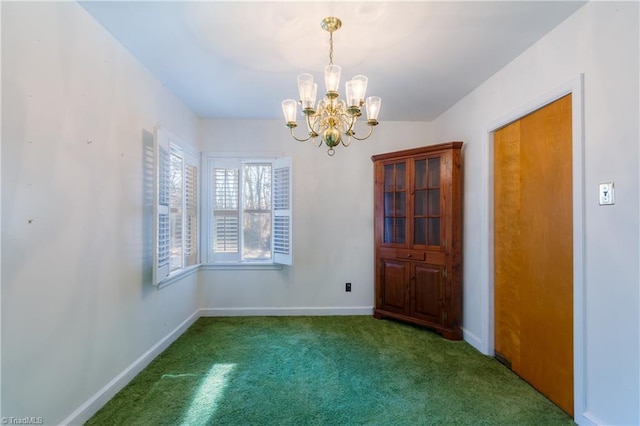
313,126
353,135
298,139
351,121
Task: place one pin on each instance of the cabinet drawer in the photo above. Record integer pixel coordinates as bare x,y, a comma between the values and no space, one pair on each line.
410,254
432,257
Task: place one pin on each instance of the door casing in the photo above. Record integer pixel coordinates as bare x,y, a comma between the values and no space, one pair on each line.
485,343
533,236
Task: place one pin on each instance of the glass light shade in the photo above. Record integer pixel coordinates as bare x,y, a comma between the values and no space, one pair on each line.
359,85
351,100
309,101
306,89
289,110
332,77
373,107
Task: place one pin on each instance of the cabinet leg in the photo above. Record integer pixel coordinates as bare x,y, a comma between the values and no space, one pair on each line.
452,334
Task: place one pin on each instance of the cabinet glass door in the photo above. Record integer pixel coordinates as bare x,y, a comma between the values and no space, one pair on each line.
395,198
426,214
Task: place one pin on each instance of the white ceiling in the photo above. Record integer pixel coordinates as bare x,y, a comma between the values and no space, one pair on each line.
240,59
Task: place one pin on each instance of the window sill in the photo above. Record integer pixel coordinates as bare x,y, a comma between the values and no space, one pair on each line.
240,267
177,276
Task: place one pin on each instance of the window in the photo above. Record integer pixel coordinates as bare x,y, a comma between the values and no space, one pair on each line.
249,214
176,229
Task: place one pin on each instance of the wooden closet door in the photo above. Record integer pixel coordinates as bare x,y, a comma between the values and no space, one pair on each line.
533,237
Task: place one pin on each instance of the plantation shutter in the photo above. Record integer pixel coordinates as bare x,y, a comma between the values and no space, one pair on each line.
191,215
282,209
226,210
161,213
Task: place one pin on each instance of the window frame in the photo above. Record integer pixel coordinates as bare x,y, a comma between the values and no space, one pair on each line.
166,143
213,160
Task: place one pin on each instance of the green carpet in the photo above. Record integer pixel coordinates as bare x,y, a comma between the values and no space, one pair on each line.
323,371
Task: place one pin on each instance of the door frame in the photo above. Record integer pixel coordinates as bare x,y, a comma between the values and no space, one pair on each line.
574,87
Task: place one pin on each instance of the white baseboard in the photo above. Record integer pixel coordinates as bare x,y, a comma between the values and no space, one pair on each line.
273,312
97,401
588,418
473,340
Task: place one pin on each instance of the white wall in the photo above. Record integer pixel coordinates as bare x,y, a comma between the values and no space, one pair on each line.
333,220
601,41
78,114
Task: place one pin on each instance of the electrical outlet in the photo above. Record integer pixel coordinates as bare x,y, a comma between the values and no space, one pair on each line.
347,287
605,194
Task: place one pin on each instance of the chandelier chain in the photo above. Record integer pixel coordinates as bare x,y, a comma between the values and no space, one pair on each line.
330,47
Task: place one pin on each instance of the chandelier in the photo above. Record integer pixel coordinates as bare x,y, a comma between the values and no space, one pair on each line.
332,117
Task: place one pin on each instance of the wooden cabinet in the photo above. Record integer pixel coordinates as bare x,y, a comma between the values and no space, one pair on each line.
418,237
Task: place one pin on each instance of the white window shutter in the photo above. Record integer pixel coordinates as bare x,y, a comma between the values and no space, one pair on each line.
282,211
226,210
191,216
161,213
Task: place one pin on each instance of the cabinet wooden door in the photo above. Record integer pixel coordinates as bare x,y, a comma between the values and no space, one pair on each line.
427,202
426,292
393,289
394,209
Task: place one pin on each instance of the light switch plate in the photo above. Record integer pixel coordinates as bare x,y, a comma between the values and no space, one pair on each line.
605,194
